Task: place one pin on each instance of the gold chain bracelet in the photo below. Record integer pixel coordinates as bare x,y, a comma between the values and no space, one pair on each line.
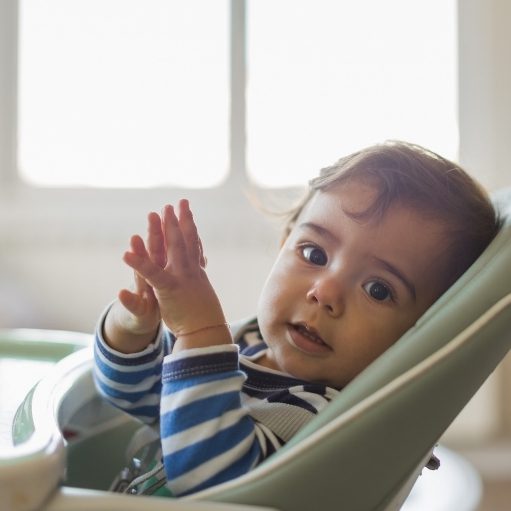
209,327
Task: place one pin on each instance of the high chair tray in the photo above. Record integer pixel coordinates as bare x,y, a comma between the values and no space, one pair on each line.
31,462
36,432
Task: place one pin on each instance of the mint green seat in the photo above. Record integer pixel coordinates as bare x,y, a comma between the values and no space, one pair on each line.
359,453
362,453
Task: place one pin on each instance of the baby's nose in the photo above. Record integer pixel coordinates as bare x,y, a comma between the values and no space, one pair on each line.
327,292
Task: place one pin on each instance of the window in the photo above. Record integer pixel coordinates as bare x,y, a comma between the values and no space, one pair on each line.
327,78
125,93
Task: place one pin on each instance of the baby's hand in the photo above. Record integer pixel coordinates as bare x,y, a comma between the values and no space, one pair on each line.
188,303
132,322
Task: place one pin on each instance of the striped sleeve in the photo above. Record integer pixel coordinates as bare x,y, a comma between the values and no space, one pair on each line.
131,382
215,425
207,435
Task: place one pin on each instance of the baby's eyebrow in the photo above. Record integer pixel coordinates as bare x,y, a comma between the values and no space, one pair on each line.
399,274
322,231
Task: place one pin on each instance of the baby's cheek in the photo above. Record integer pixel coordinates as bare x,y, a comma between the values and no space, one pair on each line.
274,289
268,302
392,334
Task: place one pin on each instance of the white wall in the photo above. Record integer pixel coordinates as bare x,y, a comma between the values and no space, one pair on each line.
484,90
62,277
67,289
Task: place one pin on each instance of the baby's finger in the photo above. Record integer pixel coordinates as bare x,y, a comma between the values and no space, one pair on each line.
155,240
147,272
190,234
153,274
132,302
177,255
203,259
141,286
137,246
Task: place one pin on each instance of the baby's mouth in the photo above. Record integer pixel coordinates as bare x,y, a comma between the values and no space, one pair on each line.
310,333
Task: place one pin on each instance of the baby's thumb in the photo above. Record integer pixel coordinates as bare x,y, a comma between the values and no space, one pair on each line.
132,302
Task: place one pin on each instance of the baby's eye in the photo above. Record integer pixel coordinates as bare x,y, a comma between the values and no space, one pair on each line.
314,255
378,291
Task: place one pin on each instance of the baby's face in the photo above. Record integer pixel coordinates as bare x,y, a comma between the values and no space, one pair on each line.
342,291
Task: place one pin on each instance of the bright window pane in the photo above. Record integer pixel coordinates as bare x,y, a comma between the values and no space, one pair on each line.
124,93
328,77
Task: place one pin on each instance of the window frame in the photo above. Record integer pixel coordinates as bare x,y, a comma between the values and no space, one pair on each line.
78,214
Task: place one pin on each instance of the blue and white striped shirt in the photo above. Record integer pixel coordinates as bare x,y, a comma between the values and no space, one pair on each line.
220,412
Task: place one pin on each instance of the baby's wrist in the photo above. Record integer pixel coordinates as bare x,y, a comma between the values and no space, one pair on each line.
189,332
128,343
127,338
202,336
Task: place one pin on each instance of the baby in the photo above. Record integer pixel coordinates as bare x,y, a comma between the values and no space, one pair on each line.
378,238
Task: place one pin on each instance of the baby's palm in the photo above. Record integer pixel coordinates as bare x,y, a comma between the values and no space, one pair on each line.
182,289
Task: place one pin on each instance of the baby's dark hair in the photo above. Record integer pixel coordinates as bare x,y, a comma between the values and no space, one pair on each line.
410,175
